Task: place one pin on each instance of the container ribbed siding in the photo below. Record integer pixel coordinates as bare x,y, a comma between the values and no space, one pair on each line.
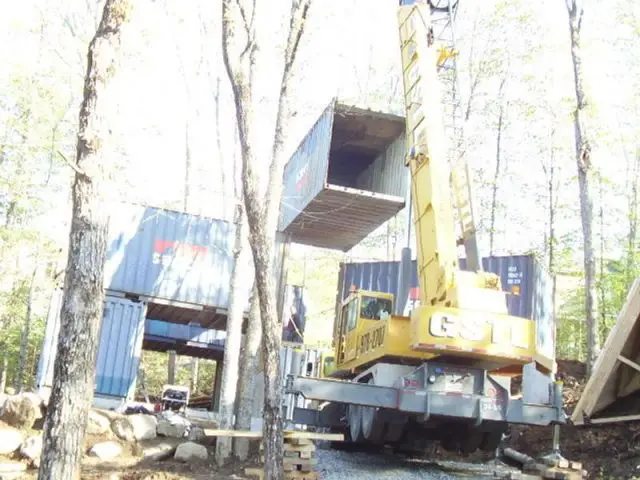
346,178
119,347
306,172
387,174
174,256
529,285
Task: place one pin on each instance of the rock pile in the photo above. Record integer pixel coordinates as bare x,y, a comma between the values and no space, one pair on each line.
109,435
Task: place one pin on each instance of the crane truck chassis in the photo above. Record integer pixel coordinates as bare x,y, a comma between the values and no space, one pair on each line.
444,373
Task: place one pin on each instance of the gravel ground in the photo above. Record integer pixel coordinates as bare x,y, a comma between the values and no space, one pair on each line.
342,465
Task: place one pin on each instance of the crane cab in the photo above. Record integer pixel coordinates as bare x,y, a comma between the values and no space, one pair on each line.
361,311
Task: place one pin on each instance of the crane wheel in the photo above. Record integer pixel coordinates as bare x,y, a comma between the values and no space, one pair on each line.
354,417
374,422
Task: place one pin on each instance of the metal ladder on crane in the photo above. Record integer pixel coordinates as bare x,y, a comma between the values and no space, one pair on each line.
443,23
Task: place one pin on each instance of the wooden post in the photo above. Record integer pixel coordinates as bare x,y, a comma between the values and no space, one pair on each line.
171,367
217,382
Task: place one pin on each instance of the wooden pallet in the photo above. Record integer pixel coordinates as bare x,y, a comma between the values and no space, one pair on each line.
299,460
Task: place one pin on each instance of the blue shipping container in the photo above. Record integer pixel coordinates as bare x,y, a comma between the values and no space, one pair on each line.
163,254
119,348
529,286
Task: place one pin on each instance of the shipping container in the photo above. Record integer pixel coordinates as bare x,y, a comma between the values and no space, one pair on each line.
119,347
294,314
528,284
346,178
176,261
189,340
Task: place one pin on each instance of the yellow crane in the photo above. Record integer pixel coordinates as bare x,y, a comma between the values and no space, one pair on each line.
444,372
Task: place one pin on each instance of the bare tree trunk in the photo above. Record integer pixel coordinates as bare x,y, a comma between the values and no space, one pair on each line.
239,48
249,364
233,339
3,367
496,175
633,219
82,304
22,366
585,177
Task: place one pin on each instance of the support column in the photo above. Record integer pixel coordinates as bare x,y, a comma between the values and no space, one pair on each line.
171,367
217,384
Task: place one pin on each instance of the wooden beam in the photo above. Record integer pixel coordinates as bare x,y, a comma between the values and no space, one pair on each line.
628,362
288,434
624,418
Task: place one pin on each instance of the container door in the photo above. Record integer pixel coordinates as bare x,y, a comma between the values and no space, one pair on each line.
120,347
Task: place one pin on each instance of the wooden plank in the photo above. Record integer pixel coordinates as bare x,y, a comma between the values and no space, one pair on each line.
624,418
291,475
288,434
598,391
628,362
290,447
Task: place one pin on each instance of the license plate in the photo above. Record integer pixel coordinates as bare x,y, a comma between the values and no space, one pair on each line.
490,405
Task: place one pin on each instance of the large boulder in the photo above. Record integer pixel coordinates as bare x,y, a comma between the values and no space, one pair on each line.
144,426
191,451
11,470
123,429
106,450
20,411
37,401
172,425
196,434
31,449
97,423
10,439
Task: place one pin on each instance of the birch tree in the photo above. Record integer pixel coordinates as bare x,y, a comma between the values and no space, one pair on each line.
583,146
82,304
237,302
240,46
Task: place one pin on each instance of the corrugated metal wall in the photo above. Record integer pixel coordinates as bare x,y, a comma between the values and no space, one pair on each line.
120,347
306,172
192,333
170,255
173,255
120,344
387,174
521,275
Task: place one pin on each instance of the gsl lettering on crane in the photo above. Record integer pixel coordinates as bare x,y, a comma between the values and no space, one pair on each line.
473,328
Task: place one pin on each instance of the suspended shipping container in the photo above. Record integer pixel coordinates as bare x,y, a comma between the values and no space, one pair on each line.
119,347
346,178
175,261
528,284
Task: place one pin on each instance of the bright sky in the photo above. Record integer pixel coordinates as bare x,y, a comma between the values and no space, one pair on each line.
351,50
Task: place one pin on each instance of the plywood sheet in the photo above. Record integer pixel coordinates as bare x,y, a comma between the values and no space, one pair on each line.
612,379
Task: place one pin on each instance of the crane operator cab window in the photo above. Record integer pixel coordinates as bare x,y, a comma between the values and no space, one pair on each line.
374,308
351,312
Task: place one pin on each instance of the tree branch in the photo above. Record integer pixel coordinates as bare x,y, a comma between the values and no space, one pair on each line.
299,13
74,166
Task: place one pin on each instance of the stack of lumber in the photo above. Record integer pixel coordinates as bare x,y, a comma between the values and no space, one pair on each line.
299,451
299,460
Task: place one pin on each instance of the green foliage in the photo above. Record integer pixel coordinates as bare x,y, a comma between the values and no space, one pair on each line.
154,365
